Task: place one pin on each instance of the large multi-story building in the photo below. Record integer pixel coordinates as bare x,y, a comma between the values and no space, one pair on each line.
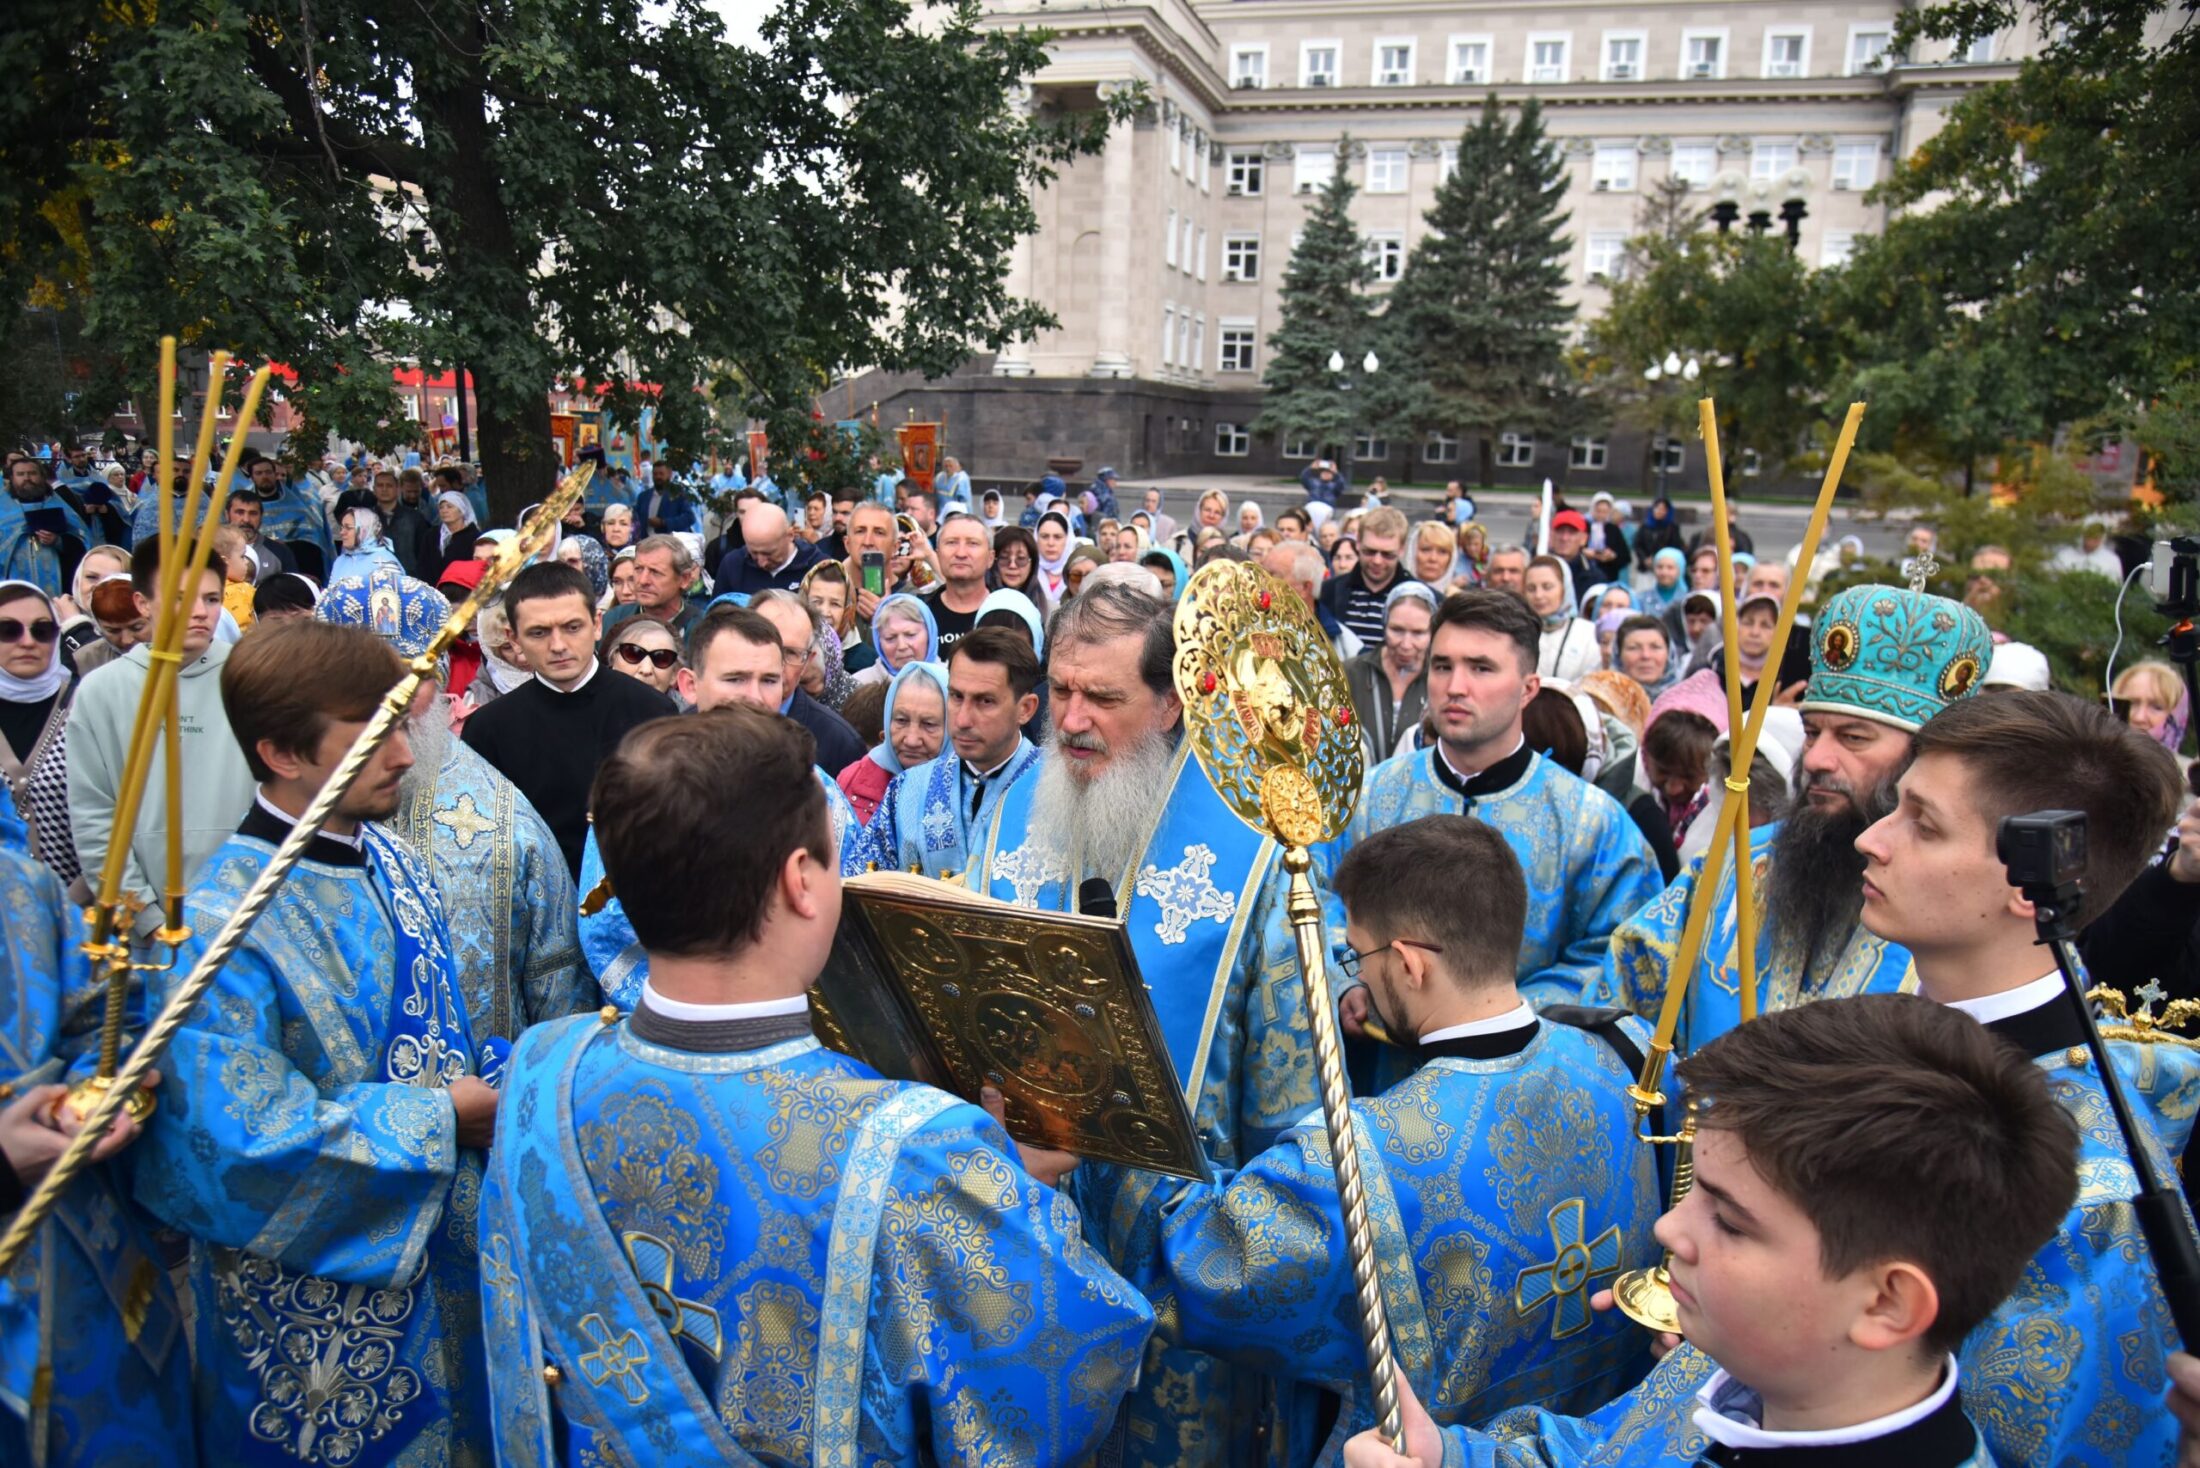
1163,256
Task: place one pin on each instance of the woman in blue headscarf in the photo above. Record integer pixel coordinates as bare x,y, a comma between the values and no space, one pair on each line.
903,631
1169,566
915,721
1668,581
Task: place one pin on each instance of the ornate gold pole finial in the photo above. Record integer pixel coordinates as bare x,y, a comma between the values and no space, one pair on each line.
1269,714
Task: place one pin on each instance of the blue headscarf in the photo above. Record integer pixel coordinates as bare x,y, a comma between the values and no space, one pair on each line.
1653,599
1009,599
924,614
883,754
1176,563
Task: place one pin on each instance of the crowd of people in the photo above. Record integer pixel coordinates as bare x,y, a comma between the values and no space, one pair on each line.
504,1133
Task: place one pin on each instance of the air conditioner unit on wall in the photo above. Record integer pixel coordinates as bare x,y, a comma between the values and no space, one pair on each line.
1623,72
1247,84
1305,187
1319,79
1840,185
1603,185
1235,190
1703,70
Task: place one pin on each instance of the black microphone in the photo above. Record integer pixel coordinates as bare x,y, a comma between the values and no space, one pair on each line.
1095,898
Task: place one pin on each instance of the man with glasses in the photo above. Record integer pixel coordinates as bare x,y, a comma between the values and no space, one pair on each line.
1356,598
1516,1215
838,744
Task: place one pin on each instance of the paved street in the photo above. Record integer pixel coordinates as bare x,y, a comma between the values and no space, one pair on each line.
1775,525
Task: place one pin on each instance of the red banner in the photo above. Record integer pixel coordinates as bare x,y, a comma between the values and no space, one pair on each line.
920,452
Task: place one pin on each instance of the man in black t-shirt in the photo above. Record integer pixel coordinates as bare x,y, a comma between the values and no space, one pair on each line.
965,555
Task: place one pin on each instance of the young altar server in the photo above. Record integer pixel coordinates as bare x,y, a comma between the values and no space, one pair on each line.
1503,1178
707,1240
1872,1176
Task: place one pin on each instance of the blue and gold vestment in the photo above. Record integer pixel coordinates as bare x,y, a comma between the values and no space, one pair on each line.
305,1143
775,1256
507,896
93,1364
1203,904
1587,866
1502,1192
23,557
1647,946
926,824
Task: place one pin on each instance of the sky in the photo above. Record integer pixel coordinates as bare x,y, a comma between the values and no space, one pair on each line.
742,17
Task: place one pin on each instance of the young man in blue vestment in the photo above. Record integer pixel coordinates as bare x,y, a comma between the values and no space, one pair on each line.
733,1246
1503,1178
1118,807
1587,865
931,815
320,1138
2071,1368
1884,659
1872,1175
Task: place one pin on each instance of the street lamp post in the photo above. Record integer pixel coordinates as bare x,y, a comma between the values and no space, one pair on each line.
1675,370
1369,365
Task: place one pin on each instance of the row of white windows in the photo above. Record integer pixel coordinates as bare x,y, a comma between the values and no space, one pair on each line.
1706,54
1614,167
1188,157
1514,450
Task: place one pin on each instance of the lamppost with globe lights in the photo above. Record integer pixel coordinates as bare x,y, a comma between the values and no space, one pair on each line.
1369,366
1672,369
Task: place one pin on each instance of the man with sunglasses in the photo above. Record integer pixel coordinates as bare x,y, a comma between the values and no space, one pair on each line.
1356,598
1502,1175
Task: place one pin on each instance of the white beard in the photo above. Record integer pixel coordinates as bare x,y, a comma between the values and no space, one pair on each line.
430,736
1102,821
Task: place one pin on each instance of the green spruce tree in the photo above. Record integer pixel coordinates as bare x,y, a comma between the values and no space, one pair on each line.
1326,310
1475,333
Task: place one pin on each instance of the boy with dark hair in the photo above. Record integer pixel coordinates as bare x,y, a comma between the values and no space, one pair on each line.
1872,1175
325,1117
848,1268
2090,1302
1587,865
1503,1179
548,735
927,819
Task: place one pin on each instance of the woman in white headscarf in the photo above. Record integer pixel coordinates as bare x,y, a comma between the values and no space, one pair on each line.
457,531
359,533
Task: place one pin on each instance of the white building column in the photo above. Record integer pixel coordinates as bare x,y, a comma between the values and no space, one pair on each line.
1113,357
1014,358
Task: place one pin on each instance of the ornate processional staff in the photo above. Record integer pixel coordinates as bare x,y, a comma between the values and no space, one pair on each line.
1270,717
1645,1296
99,1115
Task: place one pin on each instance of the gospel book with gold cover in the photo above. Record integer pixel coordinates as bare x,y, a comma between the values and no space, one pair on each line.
932,982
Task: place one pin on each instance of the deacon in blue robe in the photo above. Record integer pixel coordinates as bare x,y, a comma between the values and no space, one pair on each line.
145,523
772,1255
1587,866
1203,902
1503,1191
927,819
305,1143
607,938
1647,946
23,557
297,515
93,1365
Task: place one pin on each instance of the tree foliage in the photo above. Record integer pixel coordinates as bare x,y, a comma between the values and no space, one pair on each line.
1475,330
1325,309
1746,308
533,189
2043,268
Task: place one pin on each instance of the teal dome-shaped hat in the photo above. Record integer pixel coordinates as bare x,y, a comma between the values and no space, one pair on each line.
1895,655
